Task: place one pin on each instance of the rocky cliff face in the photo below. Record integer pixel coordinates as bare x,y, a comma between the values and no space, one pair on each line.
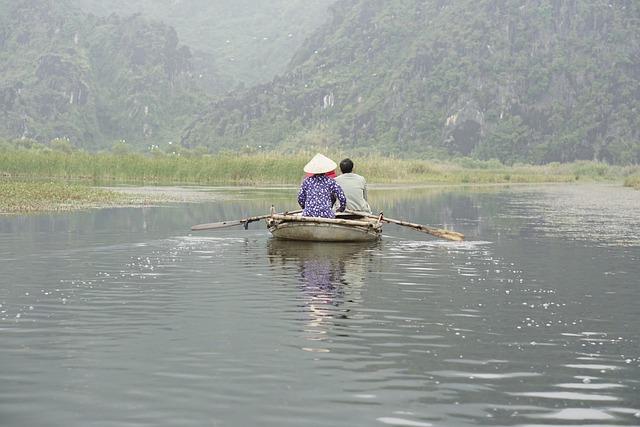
538,80
93,80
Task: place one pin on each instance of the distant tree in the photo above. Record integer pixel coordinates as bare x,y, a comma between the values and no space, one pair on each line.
61,144
507,141
121,148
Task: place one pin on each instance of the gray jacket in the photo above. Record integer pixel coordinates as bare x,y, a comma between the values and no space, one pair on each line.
355,188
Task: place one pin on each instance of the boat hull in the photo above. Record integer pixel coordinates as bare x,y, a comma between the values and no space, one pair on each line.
323,229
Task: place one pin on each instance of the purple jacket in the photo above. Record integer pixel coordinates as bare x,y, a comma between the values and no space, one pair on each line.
317,195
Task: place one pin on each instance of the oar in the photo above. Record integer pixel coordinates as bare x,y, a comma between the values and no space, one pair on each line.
244,221
438,232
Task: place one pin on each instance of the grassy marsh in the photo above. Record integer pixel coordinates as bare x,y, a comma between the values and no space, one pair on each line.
26,197
276,168
38,180
633,181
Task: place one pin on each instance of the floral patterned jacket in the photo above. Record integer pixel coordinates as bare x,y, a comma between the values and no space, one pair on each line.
317,195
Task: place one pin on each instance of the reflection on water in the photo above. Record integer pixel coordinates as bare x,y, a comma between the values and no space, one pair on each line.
330,276
121,317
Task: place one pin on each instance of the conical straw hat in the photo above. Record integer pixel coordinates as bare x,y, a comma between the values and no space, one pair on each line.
320,164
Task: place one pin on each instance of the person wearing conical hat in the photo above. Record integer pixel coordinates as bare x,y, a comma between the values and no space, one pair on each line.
318,192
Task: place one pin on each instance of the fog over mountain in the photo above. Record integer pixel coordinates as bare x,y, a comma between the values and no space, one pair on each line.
251,40
533,81
536,81
93,80
97,72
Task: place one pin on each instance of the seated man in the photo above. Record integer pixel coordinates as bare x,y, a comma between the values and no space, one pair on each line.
354,187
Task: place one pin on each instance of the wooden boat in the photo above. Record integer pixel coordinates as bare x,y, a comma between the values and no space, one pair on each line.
343,228
349,226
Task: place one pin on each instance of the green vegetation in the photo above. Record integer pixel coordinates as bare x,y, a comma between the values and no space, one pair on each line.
36,177
519,81
535,81
633,181
26,197
92,81
277,168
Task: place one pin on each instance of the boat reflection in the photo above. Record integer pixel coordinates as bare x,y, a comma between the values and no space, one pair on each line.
325,267
332,277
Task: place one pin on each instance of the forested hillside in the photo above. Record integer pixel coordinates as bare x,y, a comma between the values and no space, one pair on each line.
532,80
91,80
252,40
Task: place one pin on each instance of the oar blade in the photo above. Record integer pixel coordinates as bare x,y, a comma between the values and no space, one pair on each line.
437,232
449,235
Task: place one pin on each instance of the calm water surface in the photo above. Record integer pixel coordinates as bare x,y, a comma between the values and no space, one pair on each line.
123,317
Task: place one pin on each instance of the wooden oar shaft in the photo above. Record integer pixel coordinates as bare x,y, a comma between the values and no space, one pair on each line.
225,224
438,232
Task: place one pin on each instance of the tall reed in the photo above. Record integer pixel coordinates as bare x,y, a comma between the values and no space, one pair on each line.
633,181
275,168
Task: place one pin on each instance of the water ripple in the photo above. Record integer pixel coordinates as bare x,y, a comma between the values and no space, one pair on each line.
518,325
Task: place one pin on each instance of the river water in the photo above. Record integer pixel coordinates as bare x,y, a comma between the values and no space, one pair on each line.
123,317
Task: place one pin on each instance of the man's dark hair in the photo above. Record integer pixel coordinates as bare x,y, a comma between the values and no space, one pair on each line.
346,166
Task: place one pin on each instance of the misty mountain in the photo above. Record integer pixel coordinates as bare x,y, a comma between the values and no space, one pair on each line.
252,40
93,80
533,80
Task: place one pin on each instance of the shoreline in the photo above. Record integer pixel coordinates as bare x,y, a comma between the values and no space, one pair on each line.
20,198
